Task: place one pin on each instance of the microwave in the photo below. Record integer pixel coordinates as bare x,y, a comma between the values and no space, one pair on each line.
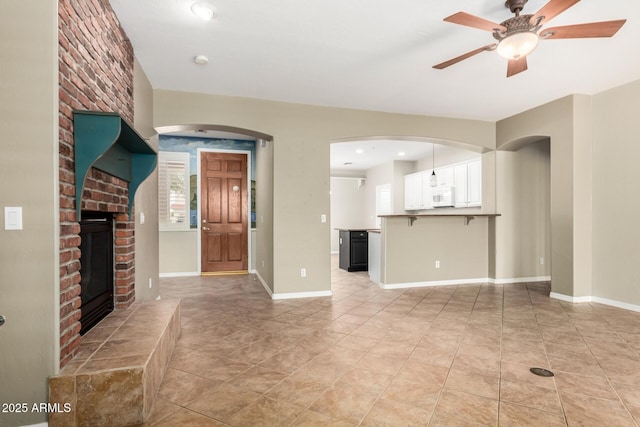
442,197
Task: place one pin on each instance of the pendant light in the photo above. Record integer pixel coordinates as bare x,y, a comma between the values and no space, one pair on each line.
434,178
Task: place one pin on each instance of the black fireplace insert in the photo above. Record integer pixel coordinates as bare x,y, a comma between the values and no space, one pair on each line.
96,268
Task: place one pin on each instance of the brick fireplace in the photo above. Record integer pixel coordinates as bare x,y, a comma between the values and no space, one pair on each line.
95,73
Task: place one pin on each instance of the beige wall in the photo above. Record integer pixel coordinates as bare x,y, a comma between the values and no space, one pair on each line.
348,206
616,237
400,169
446,156
556,121
409,252
146,198
523,231
378,175
264,212
29,279
179,252
301,165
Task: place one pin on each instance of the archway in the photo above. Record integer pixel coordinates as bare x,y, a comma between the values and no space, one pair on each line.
260,239
523,233
362,189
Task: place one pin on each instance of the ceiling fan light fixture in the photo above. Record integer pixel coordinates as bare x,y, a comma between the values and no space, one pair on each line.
518,44
204,10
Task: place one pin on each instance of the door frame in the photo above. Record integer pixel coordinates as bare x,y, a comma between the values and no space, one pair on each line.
247,153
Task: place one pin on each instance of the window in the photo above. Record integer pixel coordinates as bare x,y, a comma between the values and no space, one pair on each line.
173,190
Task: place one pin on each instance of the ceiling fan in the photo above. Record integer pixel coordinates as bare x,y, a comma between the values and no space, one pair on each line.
518,36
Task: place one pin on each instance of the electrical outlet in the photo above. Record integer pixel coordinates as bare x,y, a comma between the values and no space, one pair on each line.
437,264
303,272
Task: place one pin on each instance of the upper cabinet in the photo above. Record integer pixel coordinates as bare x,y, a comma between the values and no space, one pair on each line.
468,183
445,176
465,177
417,191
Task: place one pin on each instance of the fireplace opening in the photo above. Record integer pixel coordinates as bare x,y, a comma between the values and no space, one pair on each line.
96,268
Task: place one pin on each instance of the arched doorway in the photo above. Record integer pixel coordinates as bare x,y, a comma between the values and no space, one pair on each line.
180,252
367,179
523,234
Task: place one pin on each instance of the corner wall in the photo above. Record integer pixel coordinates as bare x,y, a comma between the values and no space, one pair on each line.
616,236
348,206
146,198
29,284
264,212
523,232
564,122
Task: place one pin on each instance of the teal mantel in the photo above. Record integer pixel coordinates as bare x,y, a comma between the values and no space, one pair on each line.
109,143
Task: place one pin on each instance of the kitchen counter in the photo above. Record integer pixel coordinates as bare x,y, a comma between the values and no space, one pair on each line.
435,249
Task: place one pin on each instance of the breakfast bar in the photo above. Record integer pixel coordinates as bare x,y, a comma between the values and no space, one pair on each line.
434,249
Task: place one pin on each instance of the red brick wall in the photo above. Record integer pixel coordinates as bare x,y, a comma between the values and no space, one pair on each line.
95,73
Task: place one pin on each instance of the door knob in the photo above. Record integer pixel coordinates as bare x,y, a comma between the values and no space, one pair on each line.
2,320
206,228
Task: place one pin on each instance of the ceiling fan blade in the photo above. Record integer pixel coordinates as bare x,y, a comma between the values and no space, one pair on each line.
516,66
552,9
465,56
579,31
464,18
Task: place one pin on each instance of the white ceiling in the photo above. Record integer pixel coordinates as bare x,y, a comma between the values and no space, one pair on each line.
358,156
374,54
366,54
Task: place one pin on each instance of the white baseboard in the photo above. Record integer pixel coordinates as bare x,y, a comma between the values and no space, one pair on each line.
292,295
295,295
521,280
38,425
571,299
471,281
433,283
605,301
264,284
180,274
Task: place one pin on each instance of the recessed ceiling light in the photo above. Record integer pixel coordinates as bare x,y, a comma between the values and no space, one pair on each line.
348,163
359,151
201,59
401,153
204,10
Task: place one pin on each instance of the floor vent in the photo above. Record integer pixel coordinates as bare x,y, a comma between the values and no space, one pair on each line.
541,372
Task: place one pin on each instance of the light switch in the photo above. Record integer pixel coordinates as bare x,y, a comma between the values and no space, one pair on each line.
323,218
141,218
12,218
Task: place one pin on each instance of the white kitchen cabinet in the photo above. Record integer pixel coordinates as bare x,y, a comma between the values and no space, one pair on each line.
445,176
409,192
417,192
468,183
460,176
474,182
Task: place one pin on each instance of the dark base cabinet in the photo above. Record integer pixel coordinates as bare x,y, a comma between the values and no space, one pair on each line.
354,250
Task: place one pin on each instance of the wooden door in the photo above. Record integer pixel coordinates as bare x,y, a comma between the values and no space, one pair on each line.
224,212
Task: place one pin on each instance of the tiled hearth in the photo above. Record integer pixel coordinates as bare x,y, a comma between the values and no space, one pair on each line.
114,378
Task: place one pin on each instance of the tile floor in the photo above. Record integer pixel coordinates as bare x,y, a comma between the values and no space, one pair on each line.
441,356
